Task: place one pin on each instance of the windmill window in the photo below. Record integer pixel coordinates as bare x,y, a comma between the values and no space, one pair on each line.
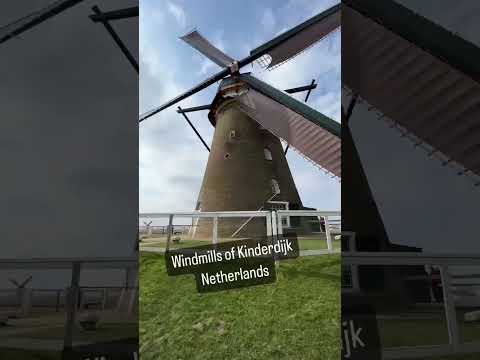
227,156
232,134
267,153
275,186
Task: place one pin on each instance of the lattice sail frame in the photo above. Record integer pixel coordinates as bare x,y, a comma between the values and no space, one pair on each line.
430,151
301,38
313,135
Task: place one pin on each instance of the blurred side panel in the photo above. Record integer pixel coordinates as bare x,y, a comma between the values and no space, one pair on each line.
410,184
69,179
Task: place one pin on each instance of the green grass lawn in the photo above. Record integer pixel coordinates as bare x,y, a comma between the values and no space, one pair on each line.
316,244
298,317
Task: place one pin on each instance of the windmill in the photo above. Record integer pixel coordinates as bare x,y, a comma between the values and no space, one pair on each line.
148,228
24,295
247,168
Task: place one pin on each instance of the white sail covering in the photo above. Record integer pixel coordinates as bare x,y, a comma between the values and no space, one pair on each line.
314,142
311,32
425,95
198,42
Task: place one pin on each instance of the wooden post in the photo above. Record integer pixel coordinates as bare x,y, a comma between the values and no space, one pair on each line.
104,298
169,231
279,224
450,311
120,299
215,230
269,224
71,306
25,300
133,295
320,223
57,305
328,235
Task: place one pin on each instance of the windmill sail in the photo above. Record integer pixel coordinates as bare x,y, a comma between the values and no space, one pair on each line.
35,18
314,135
300,38
420,84
297,41
197,41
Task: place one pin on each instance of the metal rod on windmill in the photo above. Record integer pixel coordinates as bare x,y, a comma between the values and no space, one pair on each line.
193,127
310,88
105,17
35,18
115,14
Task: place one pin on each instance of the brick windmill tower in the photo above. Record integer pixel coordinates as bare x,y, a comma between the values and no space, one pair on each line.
247,169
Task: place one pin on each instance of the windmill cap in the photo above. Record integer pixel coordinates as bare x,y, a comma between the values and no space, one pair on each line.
227,89
228,81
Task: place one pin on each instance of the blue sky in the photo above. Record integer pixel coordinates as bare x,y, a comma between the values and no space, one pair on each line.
172,159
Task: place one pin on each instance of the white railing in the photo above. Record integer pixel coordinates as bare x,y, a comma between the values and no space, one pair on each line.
325,215
215,215
76,265
444,262
273,220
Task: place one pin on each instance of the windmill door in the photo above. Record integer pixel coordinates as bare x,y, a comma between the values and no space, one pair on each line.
280,205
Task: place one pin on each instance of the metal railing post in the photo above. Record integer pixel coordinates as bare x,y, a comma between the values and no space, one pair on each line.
450,311
328,234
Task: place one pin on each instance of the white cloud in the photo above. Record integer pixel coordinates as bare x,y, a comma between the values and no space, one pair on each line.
268,19
168,149
171,168
206,65
177,13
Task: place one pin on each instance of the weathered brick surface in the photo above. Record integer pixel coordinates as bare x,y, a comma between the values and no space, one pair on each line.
238,177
